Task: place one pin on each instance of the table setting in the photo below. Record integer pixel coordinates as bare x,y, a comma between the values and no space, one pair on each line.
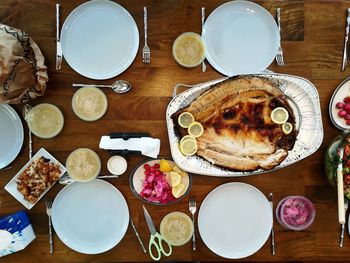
174,131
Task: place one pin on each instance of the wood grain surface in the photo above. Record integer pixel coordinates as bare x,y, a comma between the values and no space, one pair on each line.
312,39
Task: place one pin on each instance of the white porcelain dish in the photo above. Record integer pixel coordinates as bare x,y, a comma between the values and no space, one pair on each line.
90,218
11,139
99,39
342,91
11,187
241,37
235,220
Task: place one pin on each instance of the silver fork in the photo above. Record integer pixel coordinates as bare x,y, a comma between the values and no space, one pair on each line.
341,242
279,56
273,250
48,203
146,52
193,208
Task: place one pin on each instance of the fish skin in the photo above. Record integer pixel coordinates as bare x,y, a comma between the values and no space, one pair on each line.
238,131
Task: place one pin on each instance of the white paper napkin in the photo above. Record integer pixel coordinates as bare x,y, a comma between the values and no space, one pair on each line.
146,145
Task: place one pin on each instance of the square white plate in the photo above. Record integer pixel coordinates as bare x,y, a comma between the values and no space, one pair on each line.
11,187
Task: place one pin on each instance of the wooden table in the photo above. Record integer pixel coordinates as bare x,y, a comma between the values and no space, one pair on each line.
312,34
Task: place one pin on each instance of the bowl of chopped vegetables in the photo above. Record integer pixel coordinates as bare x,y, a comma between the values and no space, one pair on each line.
159,182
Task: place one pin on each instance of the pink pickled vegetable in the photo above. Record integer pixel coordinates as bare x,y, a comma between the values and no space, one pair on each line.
155,187
296,212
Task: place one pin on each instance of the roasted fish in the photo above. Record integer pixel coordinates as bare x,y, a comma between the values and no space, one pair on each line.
238,131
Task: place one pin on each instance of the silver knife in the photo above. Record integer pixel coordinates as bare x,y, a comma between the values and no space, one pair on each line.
204,67
58,42
273,249
345,52
138,236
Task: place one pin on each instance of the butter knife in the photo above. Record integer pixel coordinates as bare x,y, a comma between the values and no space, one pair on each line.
204,67
58,42
138,236
273,249
345,52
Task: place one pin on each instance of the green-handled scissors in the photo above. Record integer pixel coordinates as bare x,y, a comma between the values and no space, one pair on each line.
156,240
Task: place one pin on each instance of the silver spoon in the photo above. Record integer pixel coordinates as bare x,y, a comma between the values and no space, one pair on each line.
120,86
66,179
25,112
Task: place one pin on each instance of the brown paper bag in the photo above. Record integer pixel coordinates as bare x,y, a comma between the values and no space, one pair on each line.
23,75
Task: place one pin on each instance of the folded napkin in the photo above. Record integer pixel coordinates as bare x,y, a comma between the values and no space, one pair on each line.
146,145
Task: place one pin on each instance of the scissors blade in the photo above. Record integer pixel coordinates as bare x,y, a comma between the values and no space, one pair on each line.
149,221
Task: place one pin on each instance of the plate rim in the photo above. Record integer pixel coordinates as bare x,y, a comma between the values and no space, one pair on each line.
218,188
19,145
115,241
219,68
117,71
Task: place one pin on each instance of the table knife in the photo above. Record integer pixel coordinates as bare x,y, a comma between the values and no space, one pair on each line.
273,249
345,52
58,42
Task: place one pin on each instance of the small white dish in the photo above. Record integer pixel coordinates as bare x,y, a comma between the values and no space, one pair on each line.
100,39
11,187
117,165
241,37
90,218
342,91
11,139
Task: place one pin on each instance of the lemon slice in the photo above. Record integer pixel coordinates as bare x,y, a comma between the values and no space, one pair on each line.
178,190
175,179
165,166
179,171
279,115
188,147
195,129
187,137
287,128
185,119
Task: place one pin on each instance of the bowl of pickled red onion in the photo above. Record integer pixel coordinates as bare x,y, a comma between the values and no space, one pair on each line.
295,212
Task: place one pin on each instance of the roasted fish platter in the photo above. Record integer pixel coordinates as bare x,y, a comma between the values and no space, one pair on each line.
239,132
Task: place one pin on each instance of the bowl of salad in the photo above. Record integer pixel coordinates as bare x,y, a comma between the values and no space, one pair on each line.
332,160
159,182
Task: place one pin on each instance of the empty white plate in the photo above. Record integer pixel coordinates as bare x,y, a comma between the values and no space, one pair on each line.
235,220
90,218
241,37
11,134
99,39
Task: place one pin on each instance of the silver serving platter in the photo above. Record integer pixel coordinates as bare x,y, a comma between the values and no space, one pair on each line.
304,100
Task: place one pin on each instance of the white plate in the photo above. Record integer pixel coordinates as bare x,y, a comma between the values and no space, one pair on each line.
11,138
90,218
235,220
241,37
11,187
342,91
99,39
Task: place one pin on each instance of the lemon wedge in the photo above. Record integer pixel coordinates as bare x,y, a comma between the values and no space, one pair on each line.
195,129
179,171
287,128
178,190
165,166
175,179
188,147
185,119
279,115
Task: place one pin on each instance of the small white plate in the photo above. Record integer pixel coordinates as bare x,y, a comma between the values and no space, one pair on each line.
11,187
11,138
235,220
342,91
241,37
90,218
99,39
